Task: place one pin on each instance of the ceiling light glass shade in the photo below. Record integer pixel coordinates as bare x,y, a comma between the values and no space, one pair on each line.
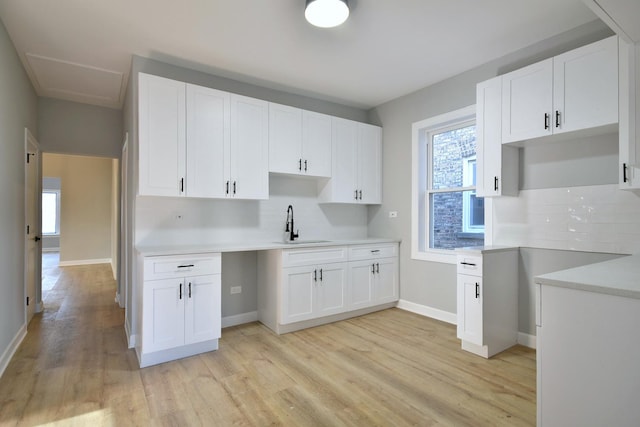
326,13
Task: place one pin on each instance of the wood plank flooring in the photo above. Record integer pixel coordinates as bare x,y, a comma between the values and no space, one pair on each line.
390,368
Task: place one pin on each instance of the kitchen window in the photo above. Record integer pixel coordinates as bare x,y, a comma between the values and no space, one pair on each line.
446,213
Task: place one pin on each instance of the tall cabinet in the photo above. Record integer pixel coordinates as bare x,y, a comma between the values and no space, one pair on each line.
200,142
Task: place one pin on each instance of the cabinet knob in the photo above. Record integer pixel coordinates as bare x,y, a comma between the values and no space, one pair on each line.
477,290
546,121
624,172
557,118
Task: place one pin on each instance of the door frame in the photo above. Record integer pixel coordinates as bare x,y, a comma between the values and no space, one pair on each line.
31,147
123,285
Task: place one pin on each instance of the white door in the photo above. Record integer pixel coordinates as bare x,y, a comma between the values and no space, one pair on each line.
331,289
123,287
208,126
585,87
344,172
285,139
470,308
316,144
33,252
203,308
527,102
360,283
161,127
249,164
386,281
298,294
163,314
369,164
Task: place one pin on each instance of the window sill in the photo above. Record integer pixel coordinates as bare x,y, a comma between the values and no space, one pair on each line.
470,235
445,256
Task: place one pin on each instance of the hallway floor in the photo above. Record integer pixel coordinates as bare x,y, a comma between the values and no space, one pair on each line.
50,271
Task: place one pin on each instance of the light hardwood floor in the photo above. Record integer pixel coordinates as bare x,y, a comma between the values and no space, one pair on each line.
390,368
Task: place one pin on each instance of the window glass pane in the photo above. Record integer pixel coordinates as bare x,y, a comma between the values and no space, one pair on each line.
49,213
449,151
448,216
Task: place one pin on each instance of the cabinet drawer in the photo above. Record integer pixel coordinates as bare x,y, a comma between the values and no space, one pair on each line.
469,264
296,257
166,267
361,252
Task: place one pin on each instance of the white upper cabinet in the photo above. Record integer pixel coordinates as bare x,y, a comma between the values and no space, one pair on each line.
629,168
162,139
208,141
573,91
497,164
357,164
527,102
249,154
299,141
316,144
585,87
201,142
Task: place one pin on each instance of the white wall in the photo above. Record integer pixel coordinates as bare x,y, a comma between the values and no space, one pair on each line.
18,109
85,206
433,284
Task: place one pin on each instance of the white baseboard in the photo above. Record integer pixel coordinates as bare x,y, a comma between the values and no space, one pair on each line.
11,349
131,339
50,249
427,311
239,319
527,340
84,262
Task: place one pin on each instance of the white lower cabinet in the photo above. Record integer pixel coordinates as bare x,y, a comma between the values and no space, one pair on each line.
181,307
299,288
487,294
313,291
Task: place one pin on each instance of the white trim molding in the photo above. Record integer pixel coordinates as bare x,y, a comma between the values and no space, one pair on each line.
84,262
427,311
239,319
11,349
527,340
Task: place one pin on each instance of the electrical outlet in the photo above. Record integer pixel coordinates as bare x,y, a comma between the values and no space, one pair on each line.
178,216
236,290
393,214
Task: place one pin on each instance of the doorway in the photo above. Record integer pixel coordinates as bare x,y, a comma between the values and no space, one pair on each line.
80,209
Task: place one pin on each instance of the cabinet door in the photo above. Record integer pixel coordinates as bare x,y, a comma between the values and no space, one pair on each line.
344,143
249,163
629,158
285,139
369,164
316,144
202,308
585,87
527,102
298,294
161,127
386,281
489,137
208,121
162,314
470,308
331,288
360,293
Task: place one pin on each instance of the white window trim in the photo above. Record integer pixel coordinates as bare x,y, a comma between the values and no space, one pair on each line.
418,148
57,193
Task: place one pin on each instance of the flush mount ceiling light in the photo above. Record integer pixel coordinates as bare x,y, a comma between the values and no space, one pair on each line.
326,13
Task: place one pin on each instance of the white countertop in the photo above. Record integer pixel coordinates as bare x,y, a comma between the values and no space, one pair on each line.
620,277
250,246
475,250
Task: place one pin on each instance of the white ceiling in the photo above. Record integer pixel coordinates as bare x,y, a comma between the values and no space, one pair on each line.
81,50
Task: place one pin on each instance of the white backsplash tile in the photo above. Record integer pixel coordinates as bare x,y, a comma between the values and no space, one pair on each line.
598,218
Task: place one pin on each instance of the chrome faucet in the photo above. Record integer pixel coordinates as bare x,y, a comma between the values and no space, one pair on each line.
289,225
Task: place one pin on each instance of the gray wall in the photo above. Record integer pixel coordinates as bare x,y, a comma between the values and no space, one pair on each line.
72,128
233,304
434,284
18,109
